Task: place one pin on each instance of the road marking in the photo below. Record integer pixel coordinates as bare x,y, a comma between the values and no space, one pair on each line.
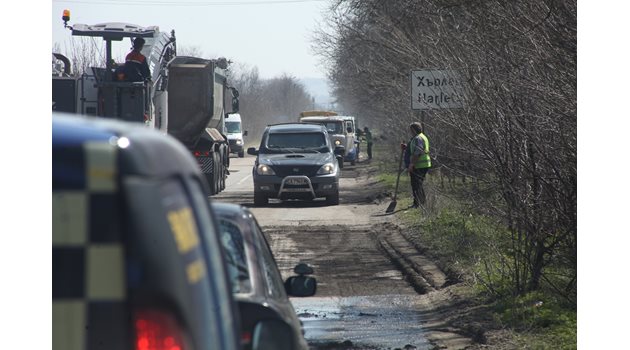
245,178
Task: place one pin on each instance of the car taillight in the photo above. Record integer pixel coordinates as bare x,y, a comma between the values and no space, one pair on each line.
156,330
199,154
246,338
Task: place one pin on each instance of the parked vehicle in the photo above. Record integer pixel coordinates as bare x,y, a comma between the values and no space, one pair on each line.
235,134
296,161
257,284
136,258
341,132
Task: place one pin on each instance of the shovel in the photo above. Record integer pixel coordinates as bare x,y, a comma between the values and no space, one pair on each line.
392,205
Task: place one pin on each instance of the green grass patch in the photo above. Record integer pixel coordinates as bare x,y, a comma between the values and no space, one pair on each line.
466,241
541,322
389,180
478,247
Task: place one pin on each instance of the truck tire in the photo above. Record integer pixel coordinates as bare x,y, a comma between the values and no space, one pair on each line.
333,199
211,183
217,171
223,177
241,154
260,199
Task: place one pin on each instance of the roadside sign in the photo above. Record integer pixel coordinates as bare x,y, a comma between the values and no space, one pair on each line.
436,89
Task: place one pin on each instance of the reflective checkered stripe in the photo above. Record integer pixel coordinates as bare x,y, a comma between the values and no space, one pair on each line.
89,290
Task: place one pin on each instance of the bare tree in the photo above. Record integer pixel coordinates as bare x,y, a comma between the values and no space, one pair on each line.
190,50
267,101
517,133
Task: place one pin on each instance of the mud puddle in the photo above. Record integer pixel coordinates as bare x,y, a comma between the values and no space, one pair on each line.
370,322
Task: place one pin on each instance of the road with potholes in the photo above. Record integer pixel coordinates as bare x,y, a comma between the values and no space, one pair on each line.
375,290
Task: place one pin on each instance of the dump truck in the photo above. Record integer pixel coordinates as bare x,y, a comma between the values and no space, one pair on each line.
198,94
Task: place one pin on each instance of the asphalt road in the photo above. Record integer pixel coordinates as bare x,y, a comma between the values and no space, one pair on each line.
362,298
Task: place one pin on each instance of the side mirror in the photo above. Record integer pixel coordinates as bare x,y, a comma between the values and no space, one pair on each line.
252,151
245,133
272,335
300,286
235,102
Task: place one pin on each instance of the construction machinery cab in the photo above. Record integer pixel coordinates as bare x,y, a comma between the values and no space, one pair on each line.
118,98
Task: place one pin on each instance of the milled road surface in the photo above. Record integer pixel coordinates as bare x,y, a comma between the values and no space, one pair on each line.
363,299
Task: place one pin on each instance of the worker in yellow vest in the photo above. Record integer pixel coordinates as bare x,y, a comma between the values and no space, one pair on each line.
419,162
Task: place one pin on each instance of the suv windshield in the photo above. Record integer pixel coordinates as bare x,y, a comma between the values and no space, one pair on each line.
288,142
233,127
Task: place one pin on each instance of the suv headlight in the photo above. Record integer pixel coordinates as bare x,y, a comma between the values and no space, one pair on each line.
263,169
337,142
239,142
328,168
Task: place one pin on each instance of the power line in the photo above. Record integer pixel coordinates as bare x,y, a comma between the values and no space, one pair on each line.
183,3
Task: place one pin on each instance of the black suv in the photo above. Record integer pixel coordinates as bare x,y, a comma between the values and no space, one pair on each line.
295,161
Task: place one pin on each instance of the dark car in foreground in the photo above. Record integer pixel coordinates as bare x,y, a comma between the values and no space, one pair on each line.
267,316
136,257
296,161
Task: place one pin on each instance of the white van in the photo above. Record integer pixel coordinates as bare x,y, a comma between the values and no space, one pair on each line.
233,130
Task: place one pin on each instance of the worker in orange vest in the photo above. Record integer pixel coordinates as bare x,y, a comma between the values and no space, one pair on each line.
136,66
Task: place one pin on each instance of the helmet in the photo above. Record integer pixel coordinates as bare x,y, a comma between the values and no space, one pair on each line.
138,42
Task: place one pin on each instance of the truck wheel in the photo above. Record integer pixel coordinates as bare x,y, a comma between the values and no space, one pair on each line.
218,167
333,199
211,183
260,199
221,178
241,154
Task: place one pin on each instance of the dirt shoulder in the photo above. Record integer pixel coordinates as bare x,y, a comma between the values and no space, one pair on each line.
456,318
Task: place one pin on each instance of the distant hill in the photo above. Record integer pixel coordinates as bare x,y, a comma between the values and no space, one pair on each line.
318,88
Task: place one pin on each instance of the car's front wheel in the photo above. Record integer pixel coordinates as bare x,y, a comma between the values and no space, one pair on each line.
333,199
260,199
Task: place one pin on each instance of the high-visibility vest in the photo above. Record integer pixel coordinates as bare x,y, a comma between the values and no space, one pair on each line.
368,137
424,161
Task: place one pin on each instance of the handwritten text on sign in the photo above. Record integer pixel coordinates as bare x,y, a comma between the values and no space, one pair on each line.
436,89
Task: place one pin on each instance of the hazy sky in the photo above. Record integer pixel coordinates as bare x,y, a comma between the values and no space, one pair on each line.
273,35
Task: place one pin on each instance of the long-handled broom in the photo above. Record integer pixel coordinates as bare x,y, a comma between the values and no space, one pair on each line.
392,205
